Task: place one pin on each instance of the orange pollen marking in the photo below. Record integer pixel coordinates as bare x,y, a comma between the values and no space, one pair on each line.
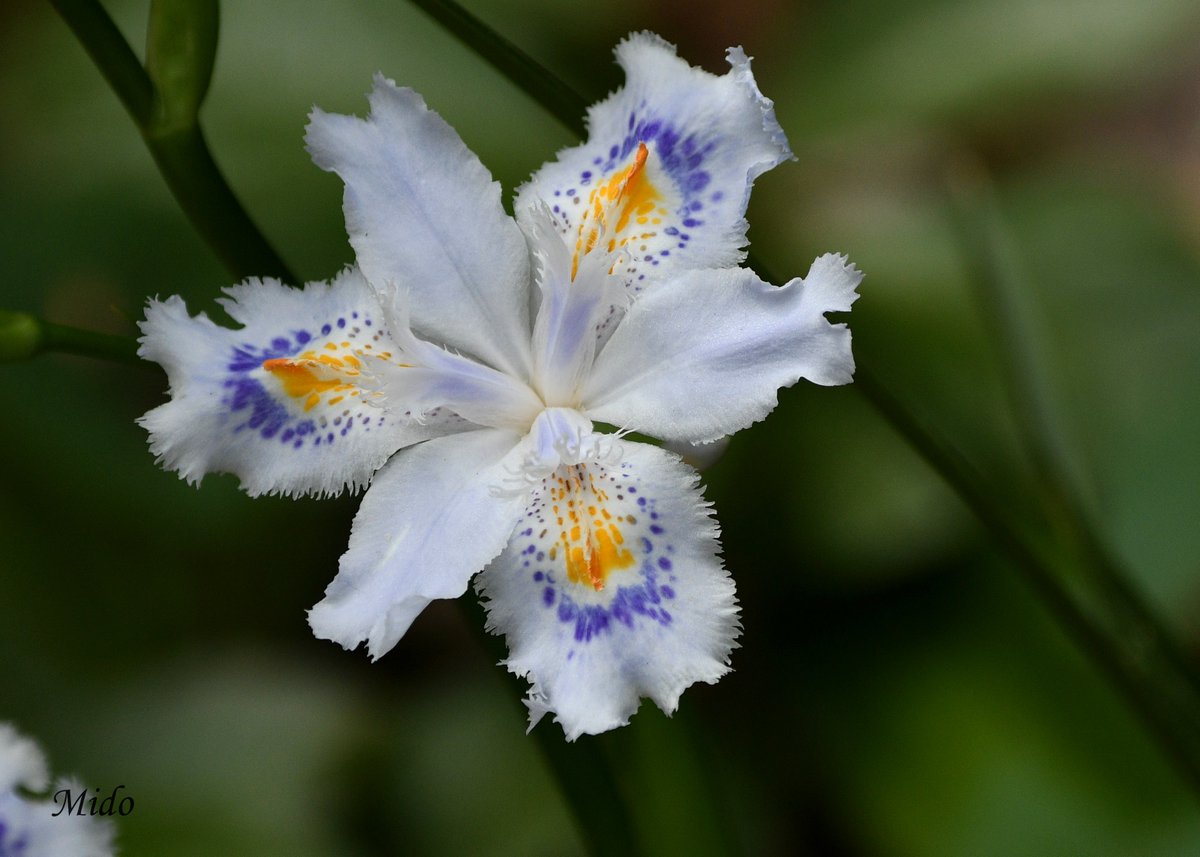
629,194
299,380
592,546
592,562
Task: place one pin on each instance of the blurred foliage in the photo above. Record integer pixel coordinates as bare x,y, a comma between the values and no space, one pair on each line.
899,691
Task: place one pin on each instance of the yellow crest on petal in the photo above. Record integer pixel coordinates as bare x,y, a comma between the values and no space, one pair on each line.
590,536
626,207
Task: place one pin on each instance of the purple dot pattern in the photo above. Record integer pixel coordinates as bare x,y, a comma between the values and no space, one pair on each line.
257,402
639,595
682,156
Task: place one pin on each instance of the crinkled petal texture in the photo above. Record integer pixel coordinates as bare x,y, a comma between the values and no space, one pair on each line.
286,401
665,175
703,355
433,517
423,213
611,590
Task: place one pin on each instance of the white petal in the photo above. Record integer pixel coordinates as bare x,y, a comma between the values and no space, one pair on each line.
704,355
433,378
434,515
281,401
664,616
424,213
667,167
29,826
578,301
21,762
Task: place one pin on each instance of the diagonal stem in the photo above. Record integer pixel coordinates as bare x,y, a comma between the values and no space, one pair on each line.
1004,292
178,147
538,82
1119,633
1164,681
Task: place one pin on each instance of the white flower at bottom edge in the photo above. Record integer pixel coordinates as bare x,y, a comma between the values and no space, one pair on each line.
29,827
459,366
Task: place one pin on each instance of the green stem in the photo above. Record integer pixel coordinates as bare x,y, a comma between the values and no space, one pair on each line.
111,54
1119,633
1088,594
544,87
178,147
1163,680
23,336
185,162
1004,291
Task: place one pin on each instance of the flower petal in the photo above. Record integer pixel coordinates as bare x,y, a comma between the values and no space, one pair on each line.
665,175
578,303
21,762
434,515
32,826
424,213
703,355
280,402
39,828
431,378
611,590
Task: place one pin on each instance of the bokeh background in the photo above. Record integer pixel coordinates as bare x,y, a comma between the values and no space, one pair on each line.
899,690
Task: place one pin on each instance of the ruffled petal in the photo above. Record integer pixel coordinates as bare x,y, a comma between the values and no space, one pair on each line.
283,402
704,355
611,590
21,762
434,515
424,213
665,175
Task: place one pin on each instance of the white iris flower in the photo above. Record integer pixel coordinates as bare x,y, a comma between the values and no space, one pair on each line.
459,366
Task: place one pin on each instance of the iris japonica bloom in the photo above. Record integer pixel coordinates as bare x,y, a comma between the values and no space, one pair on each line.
461,366
42,828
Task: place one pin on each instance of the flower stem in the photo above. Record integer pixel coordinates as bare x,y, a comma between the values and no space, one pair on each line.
1116,629
544,87
166,117
1161,679
1086,591
111,54
23,336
